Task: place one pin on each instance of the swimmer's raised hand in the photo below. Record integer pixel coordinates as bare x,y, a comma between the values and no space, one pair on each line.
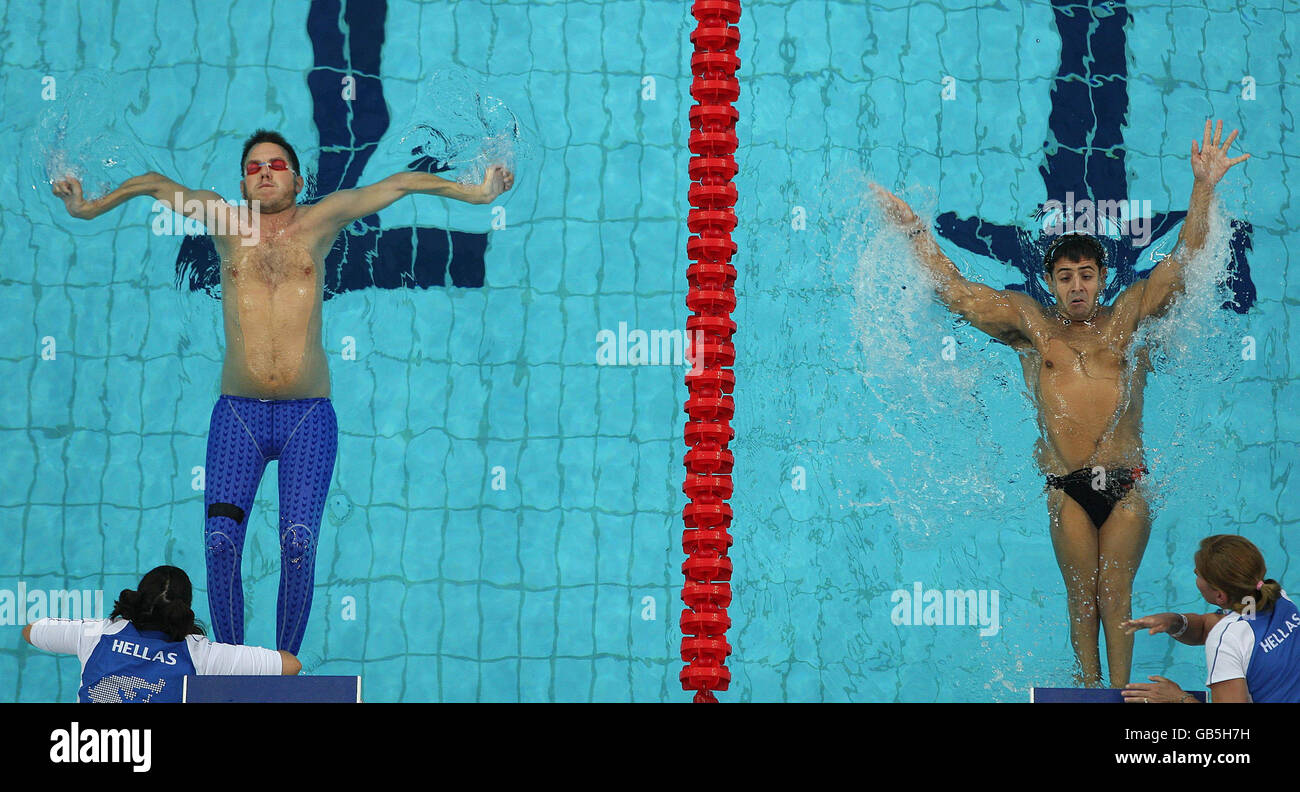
1210,159
896,209
69,189
496,181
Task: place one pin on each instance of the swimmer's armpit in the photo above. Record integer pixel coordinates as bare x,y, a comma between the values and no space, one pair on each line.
1004,315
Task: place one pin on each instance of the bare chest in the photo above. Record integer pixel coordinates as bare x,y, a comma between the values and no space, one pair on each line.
270,264
1091,354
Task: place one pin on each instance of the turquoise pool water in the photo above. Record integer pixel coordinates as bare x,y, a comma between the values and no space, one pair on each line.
918,468
504,523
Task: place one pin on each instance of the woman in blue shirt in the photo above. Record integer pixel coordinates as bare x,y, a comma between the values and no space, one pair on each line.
142,652
1252,644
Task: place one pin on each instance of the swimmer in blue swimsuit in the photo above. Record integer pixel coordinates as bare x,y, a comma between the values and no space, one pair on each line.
275,381
243,436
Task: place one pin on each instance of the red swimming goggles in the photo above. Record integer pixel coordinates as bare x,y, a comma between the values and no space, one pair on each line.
254,167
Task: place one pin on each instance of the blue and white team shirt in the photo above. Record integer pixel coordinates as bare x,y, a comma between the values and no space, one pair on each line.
122,664
1264,650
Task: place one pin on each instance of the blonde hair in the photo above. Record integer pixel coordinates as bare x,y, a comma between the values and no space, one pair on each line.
1235,566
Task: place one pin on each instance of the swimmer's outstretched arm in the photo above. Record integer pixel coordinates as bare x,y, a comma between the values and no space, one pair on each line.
1002,314
1210,162
198,204
342,207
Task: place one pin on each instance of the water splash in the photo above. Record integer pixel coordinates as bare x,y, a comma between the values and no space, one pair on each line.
84,133
457,125
1195,353
937,411
1194,324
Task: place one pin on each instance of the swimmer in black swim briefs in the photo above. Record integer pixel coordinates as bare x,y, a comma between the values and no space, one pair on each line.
1097,489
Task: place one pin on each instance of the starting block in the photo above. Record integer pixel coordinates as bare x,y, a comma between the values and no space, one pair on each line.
271,689
1087,696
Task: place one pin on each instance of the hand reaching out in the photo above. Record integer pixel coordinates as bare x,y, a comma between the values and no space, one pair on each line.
1160,623
1210,159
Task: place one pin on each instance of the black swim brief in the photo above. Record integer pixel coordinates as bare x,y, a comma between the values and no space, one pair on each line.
1097,491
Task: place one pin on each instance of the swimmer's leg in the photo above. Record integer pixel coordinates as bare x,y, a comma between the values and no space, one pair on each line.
1075,541
306,467
1121,543
235,462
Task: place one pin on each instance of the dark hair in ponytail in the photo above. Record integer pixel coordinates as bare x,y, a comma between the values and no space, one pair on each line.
162,602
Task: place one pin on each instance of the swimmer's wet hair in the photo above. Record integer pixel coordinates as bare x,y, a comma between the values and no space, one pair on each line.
1074,247
269,136
1234,565
162,602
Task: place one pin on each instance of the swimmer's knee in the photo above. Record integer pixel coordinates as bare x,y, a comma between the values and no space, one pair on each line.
219,544
1115,587
1082,597
222,517
1080,580
298,544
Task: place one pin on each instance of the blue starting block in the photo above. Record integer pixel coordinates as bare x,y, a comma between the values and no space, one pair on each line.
271,689
1087,696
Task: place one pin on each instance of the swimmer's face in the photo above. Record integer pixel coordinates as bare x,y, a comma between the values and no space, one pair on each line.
276,189
1076,286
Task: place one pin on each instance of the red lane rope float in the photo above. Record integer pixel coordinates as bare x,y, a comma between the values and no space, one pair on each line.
711,298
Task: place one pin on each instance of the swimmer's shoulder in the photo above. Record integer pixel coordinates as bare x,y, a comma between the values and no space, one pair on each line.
314,229
1026,303
1034,314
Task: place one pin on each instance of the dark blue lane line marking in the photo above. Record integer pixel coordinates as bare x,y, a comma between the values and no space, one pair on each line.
1089,107
365,255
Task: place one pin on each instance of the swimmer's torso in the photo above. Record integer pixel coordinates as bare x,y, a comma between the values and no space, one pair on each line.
271,307
1088,392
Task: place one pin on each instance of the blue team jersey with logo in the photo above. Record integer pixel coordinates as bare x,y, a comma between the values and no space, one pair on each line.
135,666
1273,674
